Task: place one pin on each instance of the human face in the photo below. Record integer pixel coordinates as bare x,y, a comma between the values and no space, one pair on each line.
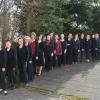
82,36
48,38
88,37
62,36
76,36
56,37
32,37
8,44
40,37
97,35
51,34
21,41
93,36
70,35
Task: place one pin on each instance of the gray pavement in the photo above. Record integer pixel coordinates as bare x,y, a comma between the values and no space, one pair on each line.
81,79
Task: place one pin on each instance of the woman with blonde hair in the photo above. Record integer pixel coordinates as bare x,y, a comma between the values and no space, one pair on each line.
29,59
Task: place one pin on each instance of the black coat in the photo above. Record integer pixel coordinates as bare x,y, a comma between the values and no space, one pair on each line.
88,45
98,44
76,44
64,45
29,52
22,54
11,58
69,46
2,59
93,43
82,44
48,49
40,48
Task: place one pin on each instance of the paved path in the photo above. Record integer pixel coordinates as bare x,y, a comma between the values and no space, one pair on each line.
81,79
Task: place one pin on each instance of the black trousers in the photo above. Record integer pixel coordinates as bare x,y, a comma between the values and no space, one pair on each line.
23,71
11,78
57,60
34,65
48,62
98,55
54,61
93,53
69,57
3,82
75,55
30,71
63,59
88,54
82,55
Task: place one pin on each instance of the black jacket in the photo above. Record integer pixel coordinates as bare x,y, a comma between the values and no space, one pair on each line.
48,49
22,54
29,52
88,45
11,60
76,44
40,48
82,44
69,46
98,44
64,45
93,43
2,59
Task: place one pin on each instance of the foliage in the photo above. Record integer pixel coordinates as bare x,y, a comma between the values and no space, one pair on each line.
60,16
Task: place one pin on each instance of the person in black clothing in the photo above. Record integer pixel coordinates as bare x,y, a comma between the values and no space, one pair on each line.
88,48
40,54
69,53
10,63
82,47
22,56
64,49
52,35
97,49
3,85
76,48
29,60
93,47
48,53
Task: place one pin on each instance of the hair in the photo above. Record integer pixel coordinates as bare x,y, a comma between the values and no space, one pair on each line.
8,41
33,33
22,39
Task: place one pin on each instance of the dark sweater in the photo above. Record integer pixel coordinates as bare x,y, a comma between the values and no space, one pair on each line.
29,52
64,45
88,45
22,54
82,44
76,44
10,58
48,48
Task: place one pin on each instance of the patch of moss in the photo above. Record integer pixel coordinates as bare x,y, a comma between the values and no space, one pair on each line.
71,97
39,90
61,93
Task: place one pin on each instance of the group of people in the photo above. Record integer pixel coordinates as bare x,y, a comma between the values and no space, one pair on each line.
35,53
